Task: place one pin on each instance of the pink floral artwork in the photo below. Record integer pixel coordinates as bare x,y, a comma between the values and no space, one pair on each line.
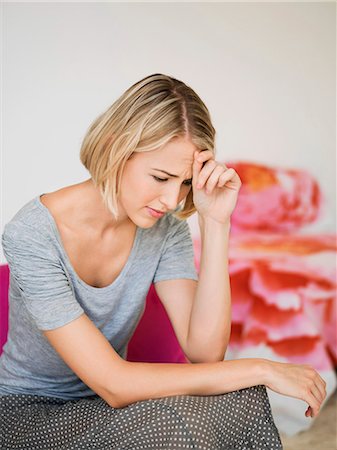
275,199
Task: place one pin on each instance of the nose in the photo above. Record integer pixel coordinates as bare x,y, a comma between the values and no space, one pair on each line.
171,198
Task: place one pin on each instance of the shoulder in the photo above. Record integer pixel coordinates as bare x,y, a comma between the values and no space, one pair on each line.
22,243
29,227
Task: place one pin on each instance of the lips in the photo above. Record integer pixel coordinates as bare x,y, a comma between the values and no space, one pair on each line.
161,212
155,213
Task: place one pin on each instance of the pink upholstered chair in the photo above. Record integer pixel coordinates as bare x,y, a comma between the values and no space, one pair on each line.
154,339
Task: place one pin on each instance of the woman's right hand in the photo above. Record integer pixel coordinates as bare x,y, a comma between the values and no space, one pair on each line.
297,380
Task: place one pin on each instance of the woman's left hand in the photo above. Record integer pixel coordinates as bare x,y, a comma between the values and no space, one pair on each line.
219,187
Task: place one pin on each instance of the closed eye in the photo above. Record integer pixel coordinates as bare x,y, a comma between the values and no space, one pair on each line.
160,180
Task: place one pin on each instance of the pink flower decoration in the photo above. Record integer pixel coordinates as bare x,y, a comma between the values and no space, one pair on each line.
274,199
284,295
283,284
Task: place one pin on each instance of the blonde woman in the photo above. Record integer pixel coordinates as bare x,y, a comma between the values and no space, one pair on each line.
82,260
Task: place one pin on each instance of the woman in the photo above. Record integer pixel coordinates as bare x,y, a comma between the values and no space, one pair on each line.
82,260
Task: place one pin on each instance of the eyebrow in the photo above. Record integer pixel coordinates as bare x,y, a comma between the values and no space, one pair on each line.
170,174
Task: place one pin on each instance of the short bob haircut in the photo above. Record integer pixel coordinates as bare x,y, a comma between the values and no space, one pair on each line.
145,117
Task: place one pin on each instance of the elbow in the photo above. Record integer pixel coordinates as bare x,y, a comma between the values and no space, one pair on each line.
115,401
216,358
119,403
222,354
109,398
116,405
115,391
208,358
112,396
204,360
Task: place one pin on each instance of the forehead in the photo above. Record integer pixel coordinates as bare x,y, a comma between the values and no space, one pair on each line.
177,155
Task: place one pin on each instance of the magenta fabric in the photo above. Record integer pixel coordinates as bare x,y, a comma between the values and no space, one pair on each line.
154,339
4,282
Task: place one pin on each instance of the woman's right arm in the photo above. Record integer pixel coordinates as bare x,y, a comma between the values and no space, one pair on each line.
119,382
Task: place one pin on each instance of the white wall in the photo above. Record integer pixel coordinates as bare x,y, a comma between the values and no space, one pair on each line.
267,72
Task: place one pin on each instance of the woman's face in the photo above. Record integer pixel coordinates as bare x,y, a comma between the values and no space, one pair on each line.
144,185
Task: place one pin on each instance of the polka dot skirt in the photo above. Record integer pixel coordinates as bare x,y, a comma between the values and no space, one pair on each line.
236,420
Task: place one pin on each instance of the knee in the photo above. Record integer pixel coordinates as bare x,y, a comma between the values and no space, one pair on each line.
256,393
259,390
257,399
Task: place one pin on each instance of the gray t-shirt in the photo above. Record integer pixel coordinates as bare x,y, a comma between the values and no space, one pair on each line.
45,293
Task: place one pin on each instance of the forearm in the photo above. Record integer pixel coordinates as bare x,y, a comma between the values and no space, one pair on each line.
143,381
210,322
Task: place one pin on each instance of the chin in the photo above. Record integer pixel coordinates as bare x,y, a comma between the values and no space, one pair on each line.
142,219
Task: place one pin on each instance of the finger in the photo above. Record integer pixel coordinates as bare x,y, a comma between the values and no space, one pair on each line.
196,167
308,412
205,173
322,388
322,384
322,379
213,179
317,393
226,176
318,386
205,155
313,403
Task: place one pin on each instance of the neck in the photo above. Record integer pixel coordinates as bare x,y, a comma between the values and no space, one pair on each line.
90,211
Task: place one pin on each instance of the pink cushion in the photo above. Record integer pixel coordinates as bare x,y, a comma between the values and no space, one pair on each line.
154,339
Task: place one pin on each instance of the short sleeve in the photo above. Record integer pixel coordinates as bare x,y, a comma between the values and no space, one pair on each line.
40,276
177,257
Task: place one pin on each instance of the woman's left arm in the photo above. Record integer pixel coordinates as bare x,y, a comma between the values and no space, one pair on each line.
210,321
215,192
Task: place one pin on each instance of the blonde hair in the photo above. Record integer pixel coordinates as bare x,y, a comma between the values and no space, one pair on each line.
145,117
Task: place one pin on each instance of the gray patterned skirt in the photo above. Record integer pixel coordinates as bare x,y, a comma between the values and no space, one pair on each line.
240,419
